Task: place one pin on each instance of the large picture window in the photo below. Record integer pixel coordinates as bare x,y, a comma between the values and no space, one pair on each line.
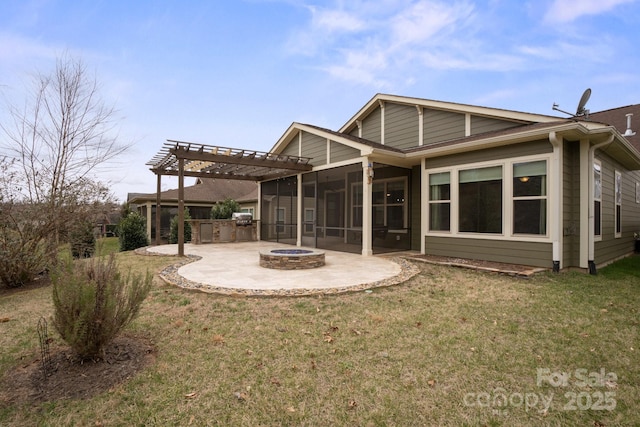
618,196
440,201
597,199
480,200
530,198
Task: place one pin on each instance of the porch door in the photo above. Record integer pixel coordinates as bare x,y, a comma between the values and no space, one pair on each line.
334,210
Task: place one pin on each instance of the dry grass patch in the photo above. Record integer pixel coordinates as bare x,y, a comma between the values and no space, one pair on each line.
407,355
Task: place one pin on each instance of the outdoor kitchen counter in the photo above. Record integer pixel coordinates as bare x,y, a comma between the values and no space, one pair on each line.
222,231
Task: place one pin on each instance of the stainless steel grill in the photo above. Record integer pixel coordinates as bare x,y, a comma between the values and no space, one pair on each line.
242,218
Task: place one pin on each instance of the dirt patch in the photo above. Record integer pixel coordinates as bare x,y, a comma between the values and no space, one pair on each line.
72,378
498,267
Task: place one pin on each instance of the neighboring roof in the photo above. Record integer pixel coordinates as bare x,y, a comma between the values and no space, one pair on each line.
206,191
516,116
617,117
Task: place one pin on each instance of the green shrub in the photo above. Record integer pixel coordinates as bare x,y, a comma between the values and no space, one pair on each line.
82,240
93,302
132,232
173,234
224,209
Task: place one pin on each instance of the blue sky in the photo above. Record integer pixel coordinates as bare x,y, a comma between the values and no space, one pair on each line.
236,73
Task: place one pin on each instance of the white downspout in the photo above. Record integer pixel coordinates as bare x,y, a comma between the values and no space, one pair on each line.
556,201
591,257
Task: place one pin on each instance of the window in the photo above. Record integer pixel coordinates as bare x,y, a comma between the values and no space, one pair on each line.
480,200
618,196
389,204
597,198
440,201
247,210
530,198
309,215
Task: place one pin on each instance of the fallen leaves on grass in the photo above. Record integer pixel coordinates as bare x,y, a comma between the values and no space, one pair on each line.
218,339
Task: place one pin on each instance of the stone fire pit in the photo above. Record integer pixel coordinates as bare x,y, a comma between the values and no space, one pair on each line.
291,259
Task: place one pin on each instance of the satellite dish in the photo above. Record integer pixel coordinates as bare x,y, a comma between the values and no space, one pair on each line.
581,111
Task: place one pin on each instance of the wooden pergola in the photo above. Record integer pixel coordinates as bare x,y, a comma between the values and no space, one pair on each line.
181,159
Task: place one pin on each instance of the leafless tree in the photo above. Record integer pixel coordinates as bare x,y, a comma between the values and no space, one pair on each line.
57,142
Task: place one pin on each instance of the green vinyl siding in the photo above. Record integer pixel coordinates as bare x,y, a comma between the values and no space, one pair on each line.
401,124
371,126
314,147
480,124
611,247
442,126
292,147
341,152
516,150
415,206
571,205
536,254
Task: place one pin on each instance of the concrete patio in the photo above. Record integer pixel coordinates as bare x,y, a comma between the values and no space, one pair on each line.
233,269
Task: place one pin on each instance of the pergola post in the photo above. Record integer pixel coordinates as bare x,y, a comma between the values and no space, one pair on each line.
181,207
158,209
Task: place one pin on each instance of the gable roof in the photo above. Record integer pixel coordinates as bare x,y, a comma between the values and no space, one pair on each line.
516,116
206,191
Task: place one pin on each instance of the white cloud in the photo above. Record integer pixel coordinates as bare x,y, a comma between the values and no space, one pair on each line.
562,11
335,21
426,19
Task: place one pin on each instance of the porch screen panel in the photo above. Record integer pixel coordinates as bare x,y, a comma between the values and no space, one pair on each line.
480,200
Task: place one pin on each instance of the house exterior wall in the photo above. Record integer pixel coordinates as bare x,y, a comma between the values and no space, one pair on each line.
611,247
340,152
571,205
292,149
401,126
314,147
416,208
501,247
371,126
480,124
442,126
516,150
537,254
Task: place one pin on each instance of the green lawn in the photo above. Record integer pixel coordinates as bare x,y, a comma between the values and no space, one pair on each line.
449,347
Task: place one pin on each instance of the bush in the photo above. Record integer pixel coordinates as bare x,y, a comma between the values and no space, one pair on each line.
224,209
82,240
93,302
173,234
23,256
132,232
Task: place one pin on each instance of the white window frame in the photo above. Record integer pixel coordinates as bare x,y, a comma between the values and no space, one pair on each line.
597,166
617,203
507,197
545,198
439,201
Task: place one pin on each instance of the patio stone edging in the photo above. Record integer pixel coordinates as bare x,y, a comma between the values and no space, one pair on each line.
170,276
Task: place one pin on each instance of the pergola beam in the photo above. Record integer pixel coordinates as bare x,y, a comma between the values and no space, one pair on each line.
181,159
